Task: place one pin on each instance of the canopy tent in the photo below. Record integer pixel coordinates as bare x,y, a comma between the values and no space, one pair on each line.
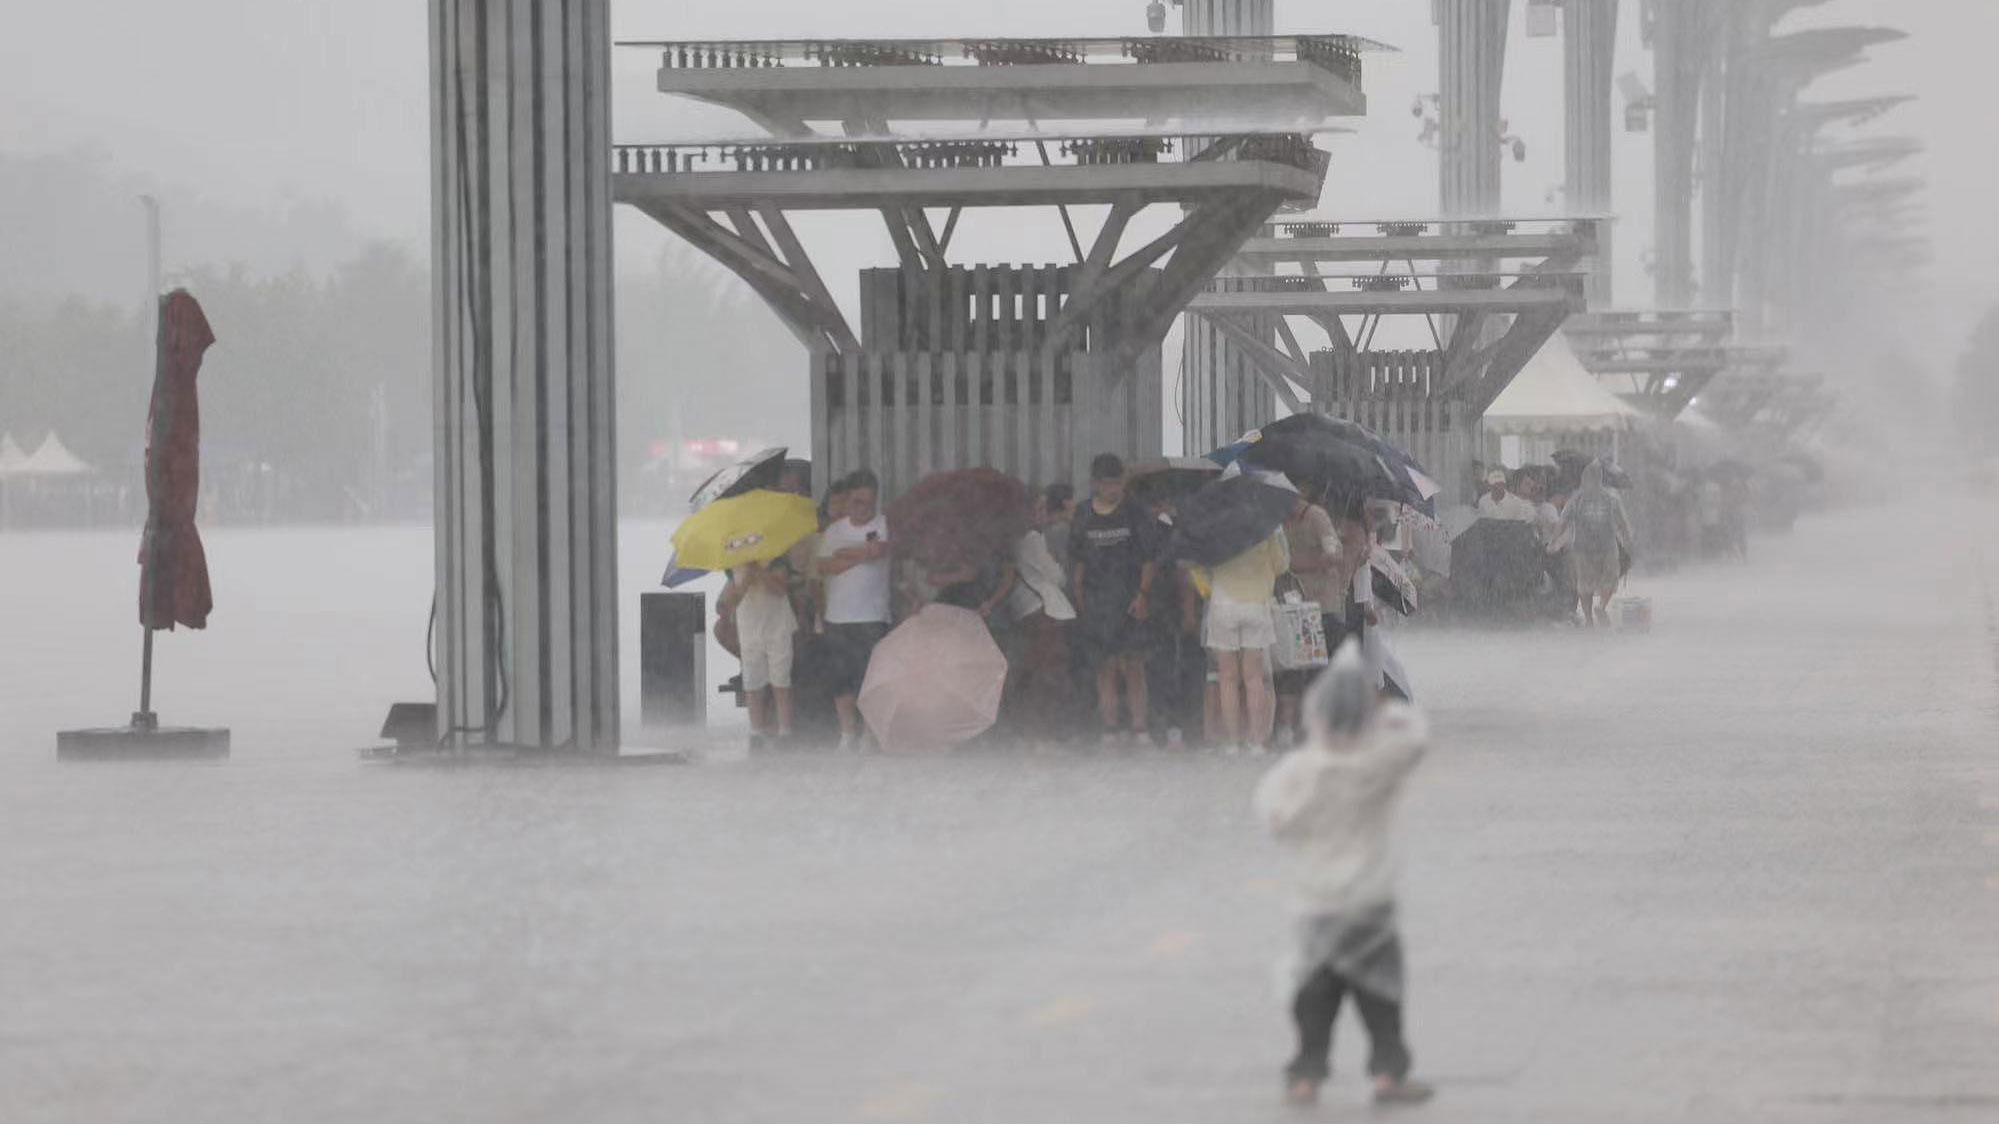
1556,394
12,457
53,459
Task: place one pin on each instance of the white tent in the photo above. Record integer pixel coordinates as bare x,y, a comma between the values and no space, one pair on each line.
53,459
1555,394
12,458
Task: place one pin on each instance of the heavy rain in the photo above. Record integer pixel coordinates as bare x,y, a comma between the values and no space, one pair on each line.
1203,560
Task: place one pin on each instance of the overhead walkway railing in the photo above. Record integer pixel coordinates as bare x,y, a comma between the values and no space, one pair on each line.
1339,54
806,156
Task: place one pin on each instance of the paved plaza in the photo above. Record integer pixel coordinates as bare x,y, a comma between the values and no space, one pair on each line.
1744,868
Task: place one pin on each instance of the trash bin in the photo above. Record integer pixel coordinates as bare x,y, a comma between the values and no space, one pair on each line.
673,659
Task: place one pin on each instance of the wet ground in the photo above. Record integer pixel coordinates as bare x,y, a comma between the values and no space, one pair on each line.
1744,868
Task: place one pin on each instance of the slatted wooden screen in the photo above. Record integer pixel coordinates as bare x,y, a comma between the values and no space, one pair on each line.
1398,395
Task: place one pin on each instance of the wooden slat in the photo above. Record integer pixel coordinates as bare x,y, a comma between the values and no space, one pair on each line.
1022,413
875,447
850,422
822,435
1048,468
925,406
895,418
982,307
950,424
975,366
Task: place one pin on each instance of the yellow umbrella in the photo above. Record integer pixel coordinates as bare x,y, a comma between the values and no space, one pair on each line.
752,527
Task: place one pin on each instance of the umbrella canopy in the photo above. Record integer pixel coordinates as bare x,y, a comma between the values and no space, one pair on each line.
1230,516
1331,471
1354,433
1171,478
934,683
753,527
763,470
1497,563
966,517
1392,584
173,568
677,575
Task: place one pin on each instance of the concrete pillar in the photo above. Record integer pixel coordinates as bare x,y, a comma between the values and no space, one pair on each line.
526,630
1590,54
1676,65
1721,166
1220,394
1472,66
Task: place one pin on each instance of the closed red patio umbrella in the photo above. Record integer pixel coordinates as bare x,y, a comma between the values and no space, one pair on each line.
173,575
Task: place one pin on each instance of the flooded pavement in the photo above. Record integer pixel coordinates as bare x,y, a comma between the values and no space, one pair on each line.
1743,868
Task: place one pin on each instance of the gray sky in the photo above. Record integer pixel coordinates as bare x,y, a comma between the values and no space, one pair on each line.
262,103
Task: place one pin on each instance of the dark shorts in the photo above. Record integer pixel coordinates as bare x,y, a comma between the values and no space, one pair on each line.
1113,633
848,649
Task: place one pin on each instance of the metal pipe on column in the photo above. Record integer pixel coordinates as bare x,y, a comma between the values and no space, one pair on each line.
1590,54
1472,37
1676,60
526,533
1221,394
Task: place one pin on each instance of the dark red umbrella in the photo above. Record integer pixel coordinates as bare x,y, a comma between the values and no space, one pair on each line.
173,574
966,517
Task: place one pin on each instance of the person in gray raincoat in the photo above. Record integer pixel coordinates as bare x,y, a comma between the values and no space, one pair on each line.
1333,804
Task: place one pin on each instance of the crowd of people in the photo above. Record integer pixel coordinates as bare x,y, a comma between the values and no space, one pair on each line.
1580,525
1109,639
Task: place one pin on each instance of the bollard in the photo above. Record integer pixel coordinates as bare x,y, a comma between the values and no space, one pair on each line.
673,659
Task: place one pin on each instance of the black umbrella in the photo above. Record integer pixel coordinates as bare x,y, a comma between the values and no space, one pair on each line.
1497,564
1330,470
762,470
1230,516
1408,468
1171,479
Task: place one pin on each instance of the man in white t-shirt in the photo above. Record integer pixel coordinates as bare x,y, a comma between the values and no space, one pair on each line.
1498,503
854,561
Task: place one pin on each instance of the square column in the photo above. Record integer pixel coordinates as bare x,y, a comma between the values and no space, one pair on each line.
526,520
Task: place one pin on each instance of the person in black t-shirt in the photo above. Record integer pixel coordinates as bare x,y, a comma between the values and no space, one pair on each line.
1113,549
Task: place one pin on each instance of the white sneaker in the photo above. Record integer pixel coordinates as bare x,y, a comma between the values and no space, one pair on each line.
849,743
1112,739
1232,750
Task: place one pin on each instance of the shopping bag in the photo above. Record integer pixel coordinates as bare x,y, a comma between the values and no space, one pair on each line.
1301,634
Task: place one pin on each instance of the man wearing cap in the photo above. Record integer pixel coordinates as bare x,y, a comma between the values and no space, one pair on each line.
1498,503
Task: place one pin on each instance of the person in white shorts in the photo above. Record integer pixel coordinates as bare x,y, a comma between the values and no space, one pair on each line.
765,625
1239,632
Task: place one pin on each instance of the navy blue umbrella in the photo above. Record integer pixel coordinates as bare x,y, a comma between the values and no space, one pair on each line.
1229,516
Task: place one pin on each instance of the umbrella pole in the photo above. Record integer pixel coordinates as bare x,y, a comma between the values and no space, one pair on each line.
145,719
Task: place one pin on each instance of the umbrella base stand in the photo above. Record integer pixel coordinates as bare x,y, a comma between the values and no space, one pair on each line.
148,742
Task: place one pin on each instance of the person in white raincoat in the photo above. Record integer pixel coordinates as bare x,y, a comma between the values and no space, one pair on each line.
1333,805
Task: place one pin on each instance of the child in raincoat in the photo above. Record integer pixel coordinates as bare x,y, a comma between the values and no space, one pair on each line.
1333,805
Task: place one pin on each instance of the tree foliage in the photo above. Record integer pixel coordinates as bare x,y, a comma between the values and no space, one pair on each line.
1976,393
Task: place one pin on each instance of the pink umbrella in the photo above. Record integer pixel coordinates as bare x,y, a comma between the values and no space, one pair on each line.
934,683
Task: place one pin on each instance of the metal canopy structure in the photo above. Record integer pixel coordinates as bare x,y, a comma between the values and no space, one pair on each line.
1458,307
1488,294
1778,406
1656,360
786,85
731,201
1028,368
